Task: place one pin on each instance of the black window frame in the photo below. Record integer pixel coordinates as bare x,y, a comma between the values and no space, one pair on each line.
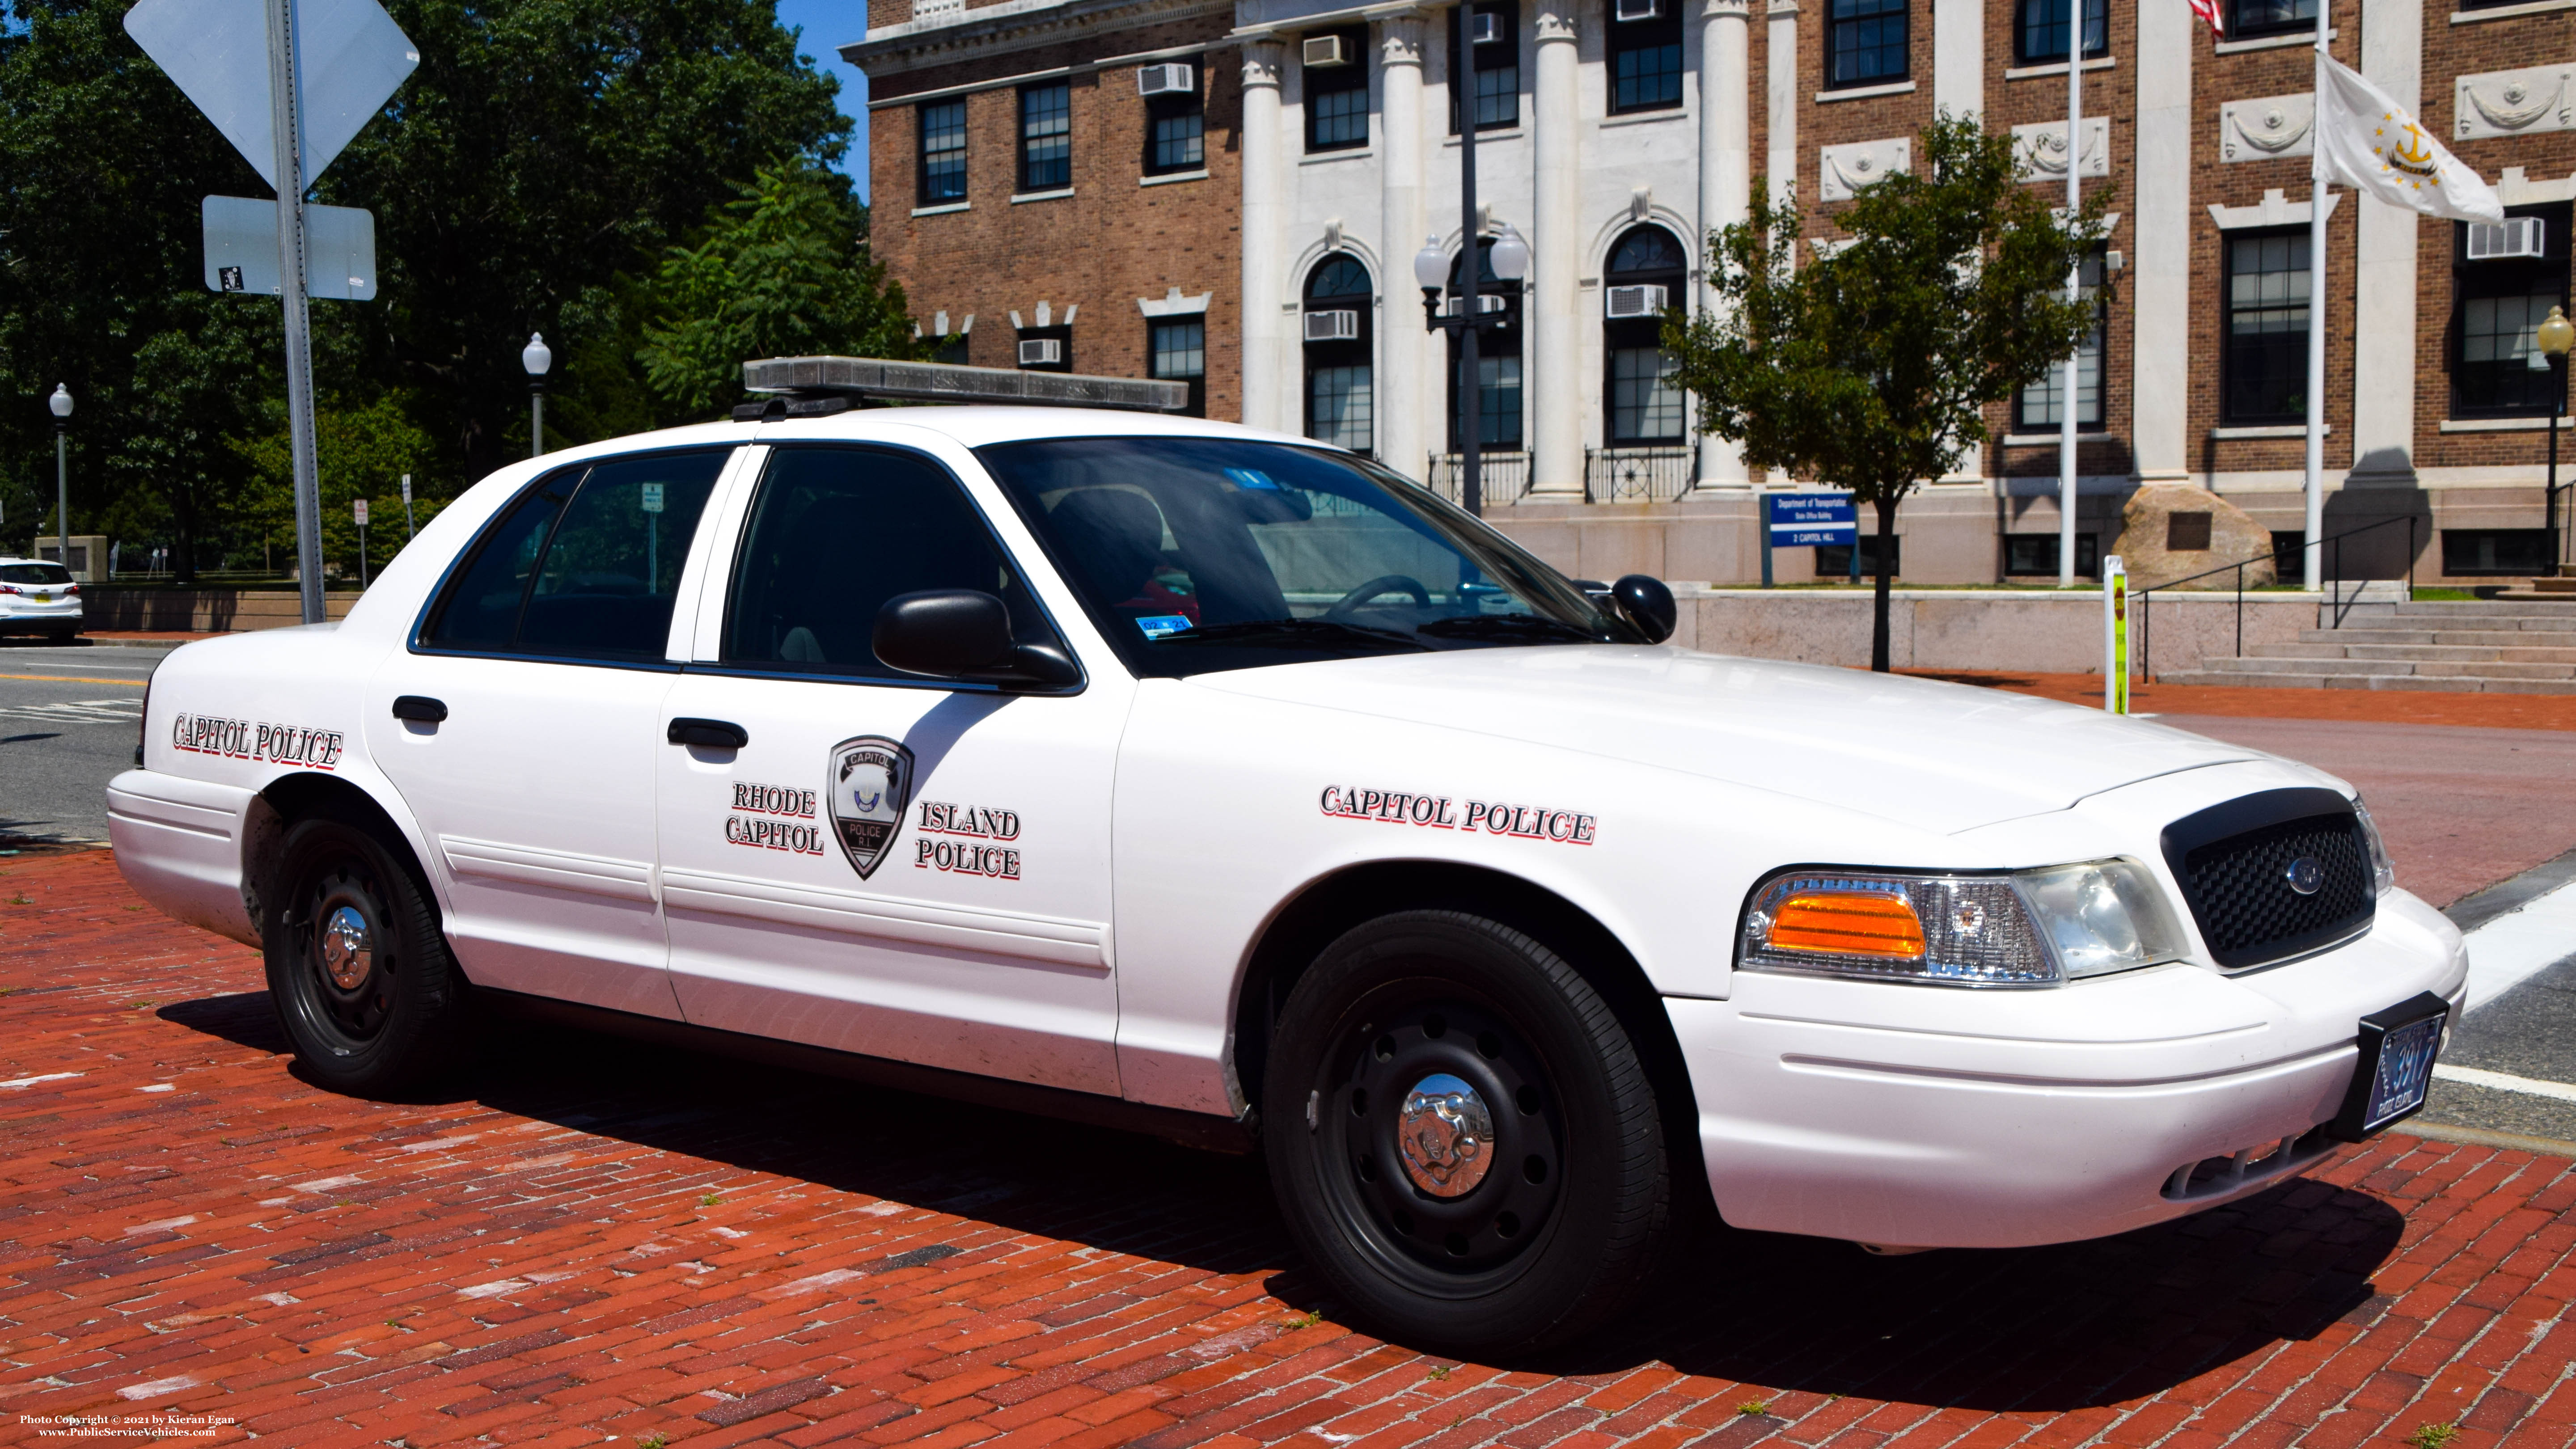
1839,24
2096,271
2088,555
1654,35
2232,360
1061,332
1032,182
2248,19
1629,333
1155,327
2029,15
1493,345
1360,351
1834,560
1336,80
2488,281
2456,541
1178,107
922,114
1501,57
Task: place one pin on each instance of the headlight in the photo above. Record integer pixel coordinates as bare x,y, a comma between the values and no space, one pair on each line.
2383,871
2028,928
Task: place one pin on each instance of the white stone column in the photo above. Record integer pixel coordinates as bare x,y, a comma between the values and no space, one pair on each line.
1725,173
2159,256
1780,71
2383,291
1551,355
1400,338
1264,188
1959,88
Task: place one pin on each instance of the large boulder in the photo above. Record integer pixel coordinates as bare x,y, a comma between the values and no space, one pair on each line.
2173,530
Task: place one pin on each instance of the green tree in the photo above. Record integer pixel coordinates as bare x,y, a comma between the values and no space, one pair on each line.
1871,365
783,271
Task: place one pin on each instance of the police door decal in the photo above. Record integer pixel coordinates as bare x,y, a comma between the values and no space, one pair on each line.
870,784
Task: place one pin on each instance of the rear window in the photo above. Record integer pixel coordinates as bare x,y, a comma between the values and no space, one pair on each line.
34,573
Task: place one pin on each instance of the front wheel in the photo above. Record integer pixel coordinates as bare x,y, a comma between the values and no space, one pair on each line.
1462,1136
357,966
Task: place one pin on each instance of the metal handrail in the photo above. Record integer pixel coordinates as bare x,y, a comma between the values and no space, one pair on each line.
2146,629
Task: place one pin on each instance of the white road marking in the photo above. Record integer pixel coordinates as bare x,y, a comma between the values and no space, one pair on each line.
84,711
2504,1082
2518,945
47,1077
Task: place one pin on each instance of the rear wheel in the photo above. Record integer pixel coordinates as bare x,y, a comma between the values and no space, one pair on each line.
1462,1136
357,967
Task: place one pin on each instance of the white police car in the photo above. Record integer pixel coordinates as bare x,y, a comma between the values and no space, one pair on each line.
38,596
1209,781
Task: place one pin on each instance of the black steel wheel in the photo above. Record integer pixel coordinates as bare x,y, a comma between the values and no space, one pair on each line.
1462,1136
357,967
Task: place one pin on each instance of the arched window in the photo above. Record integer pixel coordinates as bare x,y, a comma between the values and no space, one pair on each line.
1340,401
1498,360
1647,274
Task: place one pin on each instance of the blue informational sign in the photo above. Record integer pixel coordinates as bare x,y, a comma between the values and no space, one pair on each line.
1801,520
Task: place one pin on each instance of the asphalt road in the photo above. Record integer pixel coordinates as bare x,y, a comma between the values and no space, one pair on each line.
68,719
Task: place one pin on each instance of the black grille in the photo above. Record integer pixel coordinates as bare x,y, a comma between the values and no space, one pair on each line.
2235,862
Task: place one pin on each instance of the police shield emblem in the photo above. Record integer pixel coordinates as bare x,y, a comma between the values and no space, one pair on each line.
870,784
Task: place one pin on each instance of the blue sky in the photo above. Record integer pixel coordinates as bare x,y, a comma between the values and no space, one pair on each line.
829,24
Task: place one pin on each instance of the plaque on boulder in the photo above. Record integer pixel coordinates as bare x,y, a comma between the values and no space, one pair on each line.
2171,531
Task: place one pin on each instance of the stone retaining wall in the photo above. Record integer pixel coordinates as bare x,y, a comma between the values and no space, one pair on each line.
107,606
2054,633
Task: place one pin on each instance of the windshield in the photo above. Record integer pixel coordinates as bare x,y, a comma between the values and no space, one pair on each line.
34,573
1200,554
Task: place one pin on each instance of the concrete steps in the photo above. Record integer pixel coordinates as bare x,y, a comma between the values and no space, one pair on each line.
2492,646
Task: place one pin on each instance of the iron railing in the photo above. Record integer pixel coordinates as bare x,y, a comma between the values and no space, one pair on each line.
2333,595
1638,475
1504,476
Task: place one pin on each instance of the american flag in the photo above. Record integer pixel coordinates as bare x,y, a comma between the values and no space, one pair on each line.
2208,10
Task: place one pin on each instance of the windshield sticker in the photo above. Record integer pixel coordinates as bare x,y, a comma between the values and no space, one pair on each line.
768,819
1158,625
239,739
870,783
1252,478
1441,812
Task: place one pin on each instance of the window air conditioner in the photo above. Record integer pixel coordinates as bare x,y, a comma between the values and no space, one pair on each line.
1488,28
1325,50
1332,326
1165,80
1636,301
1636,9
1041,352
2516,236
1485,302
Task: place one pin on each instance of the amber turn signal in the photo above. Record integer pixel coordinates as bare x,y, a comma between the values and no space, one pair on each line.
1848,924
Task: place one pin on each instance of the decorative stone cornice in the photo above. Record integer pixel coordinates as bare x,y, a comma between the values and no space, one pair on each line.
2267,126
2517,102
2041,147
1553,22
955,35
1263,60
1842,170
1726,10
1399,40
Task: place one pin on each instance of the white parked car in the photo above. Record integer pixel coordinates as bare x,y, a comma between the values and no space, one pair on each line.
39,597
1218,783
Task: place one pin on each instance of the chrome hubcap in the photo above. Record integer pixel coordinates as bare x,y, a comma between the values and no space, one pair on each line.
347,955
1446,1136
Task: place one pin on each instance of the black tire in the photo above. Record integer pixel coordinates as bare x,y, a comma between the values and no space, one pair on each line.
1558,1230
387,1016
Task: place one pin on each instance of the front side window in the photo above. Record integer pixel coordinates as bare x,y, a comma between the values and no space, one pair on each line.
1337,93
1340,322
1176,351
2270,17
2038,406
834,534
943,152
1498,68
2496,371
1176,129
584,564
2266,366
1201,554
1646,60
1866,43
1647,273
2041,37
1046,137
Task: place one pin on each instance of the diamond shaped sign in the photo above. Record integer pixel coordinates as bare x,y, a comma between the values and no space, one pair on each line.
350,59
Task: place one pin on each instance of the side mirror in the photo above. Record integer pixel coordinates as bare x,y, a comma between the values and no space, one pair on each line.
1647,604
965,634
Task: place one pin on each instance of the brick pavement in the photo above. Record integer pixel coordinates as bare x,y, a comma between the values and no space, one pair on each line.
591,1239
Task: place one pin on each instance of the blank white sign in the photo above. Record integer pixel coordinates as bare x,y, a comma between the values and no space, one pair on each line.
241,249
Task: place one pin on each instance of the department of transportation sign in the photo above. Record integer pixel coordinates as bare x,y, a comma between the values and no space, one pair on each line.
1799,520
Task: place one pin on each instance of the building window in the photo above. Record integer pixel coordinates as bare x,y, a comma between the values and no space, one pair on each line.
1498,363
1644,407
1498,69
2513,552
2266,364
1646,60
943,153
952,351
2040,38
2267,17
1176,351
1834,560
1176,128
1337,94
1866,45
2026,554
1046,349
2495,306
1046,137
1339,328
2037,407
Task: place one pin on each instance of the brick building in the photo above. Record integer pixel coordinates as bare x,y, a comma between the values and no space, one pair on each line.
1233,191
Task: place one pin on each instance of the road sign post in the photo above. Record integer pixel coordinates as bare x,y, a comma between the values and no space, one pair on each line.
285,133
407,529
360,510
2115,635
1807,520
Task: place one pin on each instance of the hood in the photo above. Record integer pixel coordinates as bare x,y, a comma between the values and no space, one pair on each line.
1919,752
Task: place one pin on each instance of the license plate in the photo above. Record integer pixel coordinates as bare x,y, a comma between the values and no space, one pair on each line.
2398,1047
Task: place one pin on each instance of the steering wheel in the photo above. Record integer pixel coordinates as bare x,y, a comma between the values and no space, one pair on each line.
1382,584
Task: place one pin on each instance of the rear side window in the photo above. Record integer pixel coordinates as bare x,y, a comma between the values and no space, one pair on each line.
584,564
835,533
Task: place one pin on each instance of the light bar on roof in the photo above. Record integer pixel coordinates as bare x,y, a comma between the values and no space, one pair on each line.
949,382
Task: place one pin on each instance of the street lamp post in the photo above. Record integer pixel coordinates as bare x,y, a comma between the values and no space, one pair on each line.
536,357
61,403
2555,336
1511,258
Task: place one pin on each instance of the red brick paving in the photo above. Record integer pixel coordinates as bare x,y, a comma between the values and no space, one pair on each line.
533,1258
2385,706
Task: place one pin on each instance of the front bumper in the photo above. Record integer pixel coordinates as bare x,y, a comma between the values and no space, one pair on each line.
178,842
1937,1117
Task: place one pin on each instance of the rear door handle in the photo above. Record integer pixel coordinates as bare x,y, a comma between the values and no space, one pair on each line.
712,733
420,707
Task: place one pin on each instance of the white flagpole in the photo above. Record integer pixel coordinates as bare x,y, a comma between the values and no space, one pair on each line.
2314,553
2074,290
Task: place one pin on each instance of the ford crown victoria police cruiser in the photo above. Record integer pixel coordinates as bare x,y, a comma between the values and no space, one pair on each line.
1220,783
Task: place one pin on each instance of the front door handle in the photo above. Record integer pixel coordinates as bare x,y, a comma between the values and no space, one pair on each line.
712,733
420,708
